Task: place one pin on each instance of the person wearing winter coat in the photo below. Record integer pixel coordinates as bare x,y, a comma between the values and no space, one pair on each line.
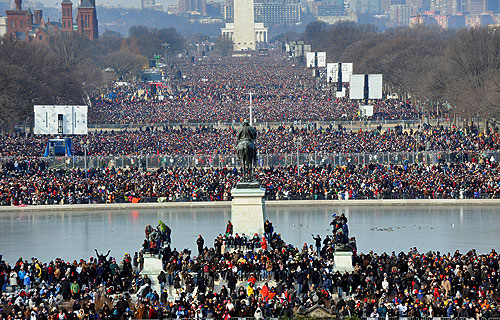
13,280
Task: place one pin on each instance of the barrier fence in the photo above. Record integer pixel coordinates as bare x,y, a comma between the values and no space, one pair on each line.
340,317
423,318
344,123
268,160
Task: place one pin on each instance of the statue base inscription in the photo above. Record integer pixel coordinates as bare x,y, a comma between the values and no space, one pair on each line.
247,208
343,261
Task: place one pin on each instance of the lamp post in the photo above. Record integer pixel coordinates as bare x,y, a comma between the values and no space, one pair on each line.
251,110
84,145
297,141
165,46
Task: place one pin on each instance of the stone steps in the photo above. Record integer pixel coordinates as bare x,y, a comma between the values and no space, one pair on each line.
152,268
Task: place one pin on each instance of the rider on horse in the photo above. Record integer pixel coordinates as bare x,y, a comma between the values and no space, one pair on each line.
246,149
247,133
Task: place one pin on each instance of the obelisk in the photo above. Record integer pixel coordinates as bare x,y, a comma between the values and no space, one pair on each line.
244,25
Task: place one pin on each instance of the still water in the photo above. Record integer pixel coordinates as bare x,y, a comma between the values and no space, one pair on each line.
74,235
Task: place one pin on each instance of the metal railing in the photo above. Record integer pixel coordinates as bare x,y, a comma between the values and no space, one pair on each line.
344,123
421,318
268,160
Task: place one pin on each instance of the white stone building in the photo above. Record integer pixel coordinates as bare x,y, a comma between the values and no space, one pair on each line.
260,36
244,32
3,26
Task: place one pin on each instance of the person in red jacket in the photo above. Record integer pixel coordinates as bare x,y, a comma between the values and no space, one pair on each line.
263,243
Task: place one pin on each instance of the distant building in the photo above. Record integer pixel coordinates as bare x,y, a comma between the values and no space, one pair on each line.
327,8
422,20
147,4
494,6
23,25
269,12
426,5
214,9
173,9
386,5
192,7
477,6
440,7
479,20
260,33
67,16
450,21
366,6
336,19
151,5
207,20
277,13
19,22
87,19
400,15
3,26
228,12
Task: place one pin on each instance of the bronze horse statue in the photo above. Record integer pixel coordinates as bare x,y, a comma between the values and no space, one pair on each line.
246,150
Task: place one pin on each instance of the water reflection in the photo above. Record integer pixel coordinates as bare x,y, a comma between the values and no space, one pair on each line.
74,235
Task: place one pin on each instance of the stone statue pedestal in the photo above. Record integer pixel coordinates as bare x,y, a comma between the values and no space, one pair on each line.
343,261
247,208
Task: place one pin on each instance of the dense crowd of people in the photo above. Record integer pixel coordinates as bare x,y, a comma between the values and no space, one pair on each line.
258,276
215,90
34,184
271,140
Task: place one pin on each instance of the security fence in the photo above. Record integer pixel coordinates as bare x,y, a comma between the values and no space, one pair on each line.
269,160
422,318
339,317
344,123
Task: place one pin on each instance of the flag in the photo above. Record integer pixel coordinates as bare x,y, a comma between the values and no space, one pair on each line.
163,226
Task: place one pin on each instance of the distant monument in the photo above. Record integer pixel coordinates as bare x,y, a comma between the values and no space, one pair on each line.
244,25
343,245
247,207
246,150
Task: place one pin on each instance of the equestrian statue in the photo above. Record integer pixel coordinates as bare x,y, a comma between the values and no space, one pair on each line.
246,150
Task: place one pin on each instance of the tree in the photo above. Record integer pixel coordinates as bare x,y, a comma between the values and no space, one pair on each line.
74,53
124,63
223,45
314,31
32,74
150,41
471,64
71,48
335,39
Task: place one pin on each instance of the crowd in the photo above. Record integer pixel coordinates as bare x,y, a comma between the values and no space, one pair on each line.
476,178
257,276
271,140
217,90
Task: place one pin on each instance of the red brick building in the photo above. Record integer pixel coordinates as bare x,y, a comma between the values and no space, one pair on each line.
67,16
19,22
22,25
87,19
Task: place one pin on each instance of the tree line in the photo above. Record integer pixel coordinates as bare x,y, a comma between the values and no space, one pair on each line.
70,67
458,70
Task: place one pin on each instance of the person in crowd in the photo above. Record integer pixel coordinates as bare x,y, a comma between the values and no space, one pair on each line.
411,284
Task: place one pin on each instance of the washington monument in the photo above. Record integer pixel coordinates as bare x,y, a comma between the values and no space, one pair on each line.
244,25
